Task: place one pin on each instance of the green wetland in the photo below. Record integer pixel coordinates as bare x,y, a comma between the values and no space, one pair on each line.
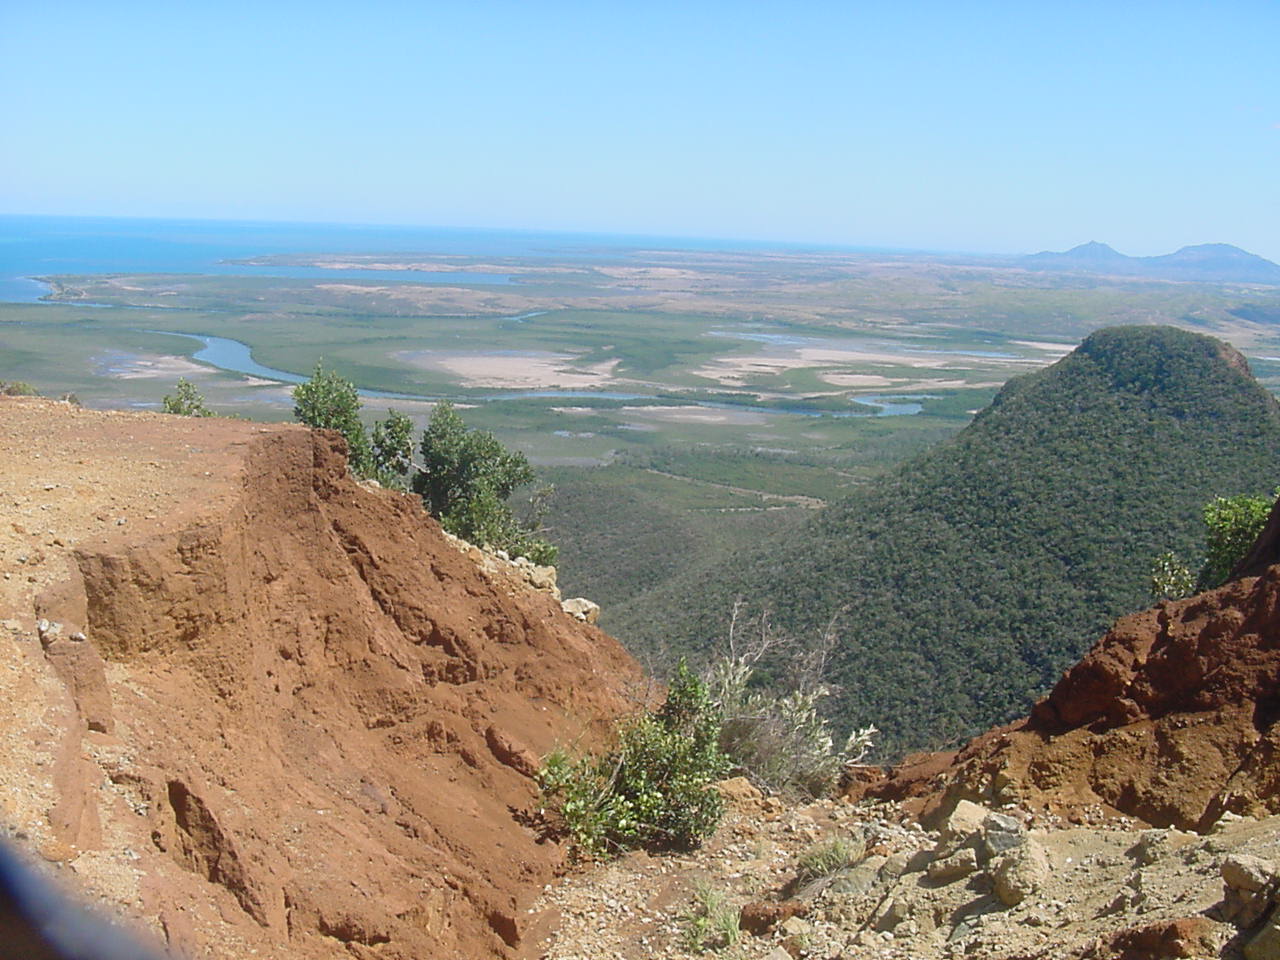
687,404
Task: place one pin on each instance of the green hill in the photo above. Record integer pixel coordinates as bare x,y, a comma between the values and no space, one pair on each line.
976,573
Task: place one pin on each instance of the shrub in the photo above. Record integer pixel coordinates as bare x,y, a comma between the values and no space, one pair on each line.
329,401
186,401
778,737
1234,524
17,388
1171,579
653,789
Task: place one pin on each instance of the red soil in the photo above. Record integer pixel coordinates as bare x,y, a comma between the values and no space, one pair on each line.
302,723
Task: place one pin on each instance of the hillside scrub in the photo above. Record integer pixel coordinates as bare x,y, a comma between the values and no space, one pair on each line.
977,572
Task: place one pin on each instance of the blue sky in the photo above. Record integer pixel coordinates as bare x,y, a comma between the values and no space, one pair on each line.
979,126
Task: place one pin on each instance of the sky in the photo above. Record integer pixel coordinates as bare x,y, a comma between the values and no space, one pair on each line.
963,126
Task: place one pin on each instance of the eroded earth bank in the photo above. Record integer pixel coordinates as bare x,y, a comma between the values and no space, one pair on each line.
260,709
264,710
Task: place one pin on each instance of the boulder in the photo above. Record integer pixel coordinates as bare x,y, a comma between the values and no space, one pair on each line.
1001,833
1020,873
580,608
960,864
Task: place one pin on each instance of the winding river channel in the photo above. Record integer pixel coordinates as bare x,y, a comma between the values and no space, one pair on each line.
236,357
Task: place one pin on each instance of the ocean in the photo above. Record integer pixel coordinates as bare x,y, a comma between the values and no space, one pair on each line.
34,246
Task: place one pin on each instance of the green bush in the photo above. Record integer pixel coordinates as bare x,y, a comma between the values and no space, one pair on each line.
465,480
1234,524
17,388
186,401
653,790
331,402
392,450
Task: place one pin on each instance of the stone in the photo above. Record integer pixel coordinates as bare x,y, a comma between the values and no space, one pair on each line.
894,867
1001,833
1151,846
777,953
858,878
890,914
960,864
1225,821
795,927
762,916
580,608
541,578
1243,872
964,821
1020,873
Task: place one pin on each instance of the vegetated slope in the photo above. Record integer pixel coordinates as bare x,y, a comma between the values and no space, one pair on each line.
265,709
1205,262
621,536
977,572
1170,717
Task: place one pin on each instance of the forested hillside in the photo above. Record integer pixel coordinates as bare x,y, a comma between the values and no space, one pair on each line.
973,575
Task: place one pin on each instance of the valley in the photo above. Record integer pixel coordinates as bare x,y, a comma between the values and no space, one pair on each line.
693,408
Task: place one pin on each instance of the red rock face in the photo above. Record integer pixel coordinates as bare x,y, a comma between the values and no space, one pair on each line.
308,722
1169,718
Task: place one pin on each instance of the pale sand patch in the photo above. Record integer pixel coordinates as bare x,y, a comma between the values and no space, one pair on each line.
734,369
522,371
695,414
1059,349
859,380
155,367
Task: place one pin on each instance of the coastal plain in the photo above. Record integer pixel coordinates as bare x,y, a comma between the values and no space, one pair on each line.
712,397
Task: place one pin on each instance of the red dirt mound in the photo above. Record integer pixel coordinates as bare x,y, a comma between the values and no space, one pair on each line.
1169,718
287,717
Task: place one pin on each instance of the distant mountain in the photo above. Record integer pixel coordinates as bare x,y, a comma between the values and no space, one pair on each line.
973,575
1206,263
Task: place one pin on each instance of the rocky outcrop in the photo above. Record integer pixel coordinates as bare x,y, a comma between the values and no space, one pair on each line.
1171,718
292,718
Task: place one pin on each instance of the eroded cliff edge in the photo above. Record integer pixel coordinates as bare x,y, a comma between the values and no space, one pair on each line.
263,708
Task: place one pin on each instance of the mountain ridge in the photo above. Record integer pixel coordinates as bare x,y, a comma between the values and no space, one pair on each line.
1205,262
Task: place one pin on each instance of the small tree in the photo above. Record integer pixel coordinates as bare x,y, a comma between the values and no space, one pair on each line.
392,449
186,401
465,480
328,401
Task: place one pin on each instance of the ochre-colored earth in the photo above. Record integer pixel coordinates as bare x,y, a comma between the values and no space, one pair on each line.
263,709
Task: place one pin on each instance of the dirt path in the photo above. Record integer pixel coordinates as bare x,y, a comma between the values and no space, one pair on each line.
812,503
